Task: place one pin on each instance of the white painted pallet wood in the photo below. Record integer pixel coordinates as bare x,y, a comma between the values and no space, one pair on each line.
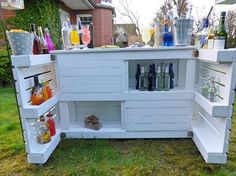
218,56
31,60
215,109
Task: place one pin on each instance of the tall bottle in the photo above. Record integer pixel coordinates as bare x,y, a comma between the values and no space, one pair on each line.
36,44
171,73
43,42
166,79
204,34
43,132
51,123
66,35
49,40
221,34
159,79
150,79
138,72
165,35
142,79
212,91
36,93
158,40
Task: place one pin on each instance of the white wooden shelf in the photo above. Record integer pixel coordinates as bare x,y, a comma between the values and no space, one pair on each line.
40,153
225,1
224,55
30,60
215,109
35,111
203,136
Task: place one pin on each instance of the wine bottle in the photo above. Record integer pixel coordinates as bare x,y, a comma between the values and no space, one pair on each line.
138,72
142,79
49,40
221,34
159,79
43,42
150,79
166,79
36,43
171,73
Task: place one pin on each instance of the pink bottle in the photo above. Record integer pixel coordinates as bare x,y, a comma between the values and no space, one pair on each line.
49,40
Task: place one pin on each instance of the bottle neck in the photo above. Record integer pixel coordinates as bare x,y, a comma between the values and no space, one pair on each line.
33,28
36,81
222,24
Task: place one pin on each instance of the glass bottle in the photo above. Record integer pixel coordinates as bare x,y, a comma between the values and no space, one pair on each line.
138,72
165,35
43,42
211,36
36,44
43,132
150,79
154,76
212,91
65,32
36,93
205,87
221,34
166,79
159,79
51,123
204,34
171,73
158,40
142,79
49,40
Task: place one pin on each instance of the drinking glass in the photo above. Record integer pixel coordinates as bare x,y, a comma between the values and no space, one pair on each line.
146,36
86,37
74,36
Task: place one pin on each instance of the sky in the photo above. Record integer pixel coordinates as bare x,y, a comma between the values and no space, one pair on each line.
145,11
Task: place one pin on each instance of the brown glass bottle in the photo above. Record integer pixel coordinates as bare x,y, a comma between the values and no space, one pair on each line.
36,44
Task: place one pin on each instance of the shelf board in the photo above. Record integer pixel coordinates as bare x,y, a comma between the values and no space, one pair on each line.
30,60
40,153
224,55
35,111
225,1
211,150
177,93
215,109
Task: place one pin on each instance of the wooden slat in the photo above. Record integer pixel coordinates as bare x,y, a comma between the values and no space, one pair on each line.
157,127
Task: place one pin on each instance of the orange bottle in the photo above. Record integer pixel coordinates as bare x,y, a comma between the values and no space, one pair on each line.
47,93
36,94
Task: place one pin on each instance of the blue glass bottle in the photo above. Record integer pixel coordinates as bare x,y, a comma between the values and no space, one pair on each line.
167,36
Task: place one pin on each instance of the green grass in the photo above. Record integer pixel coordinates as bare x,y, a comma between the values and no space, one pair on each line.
174,157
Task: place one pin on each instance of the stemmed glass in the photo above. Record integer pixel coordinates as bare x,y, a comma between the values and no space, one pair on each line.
146,36
74,36
86,37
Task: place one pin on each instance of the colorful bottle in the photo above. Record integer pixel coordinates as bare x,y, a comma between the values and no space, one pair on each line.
166,79
43,135
36,93
49,40
171,73
159,79
43,42
142,79
46,91
167,36
204,34
221,34
36,44
51,123
150,79
138,72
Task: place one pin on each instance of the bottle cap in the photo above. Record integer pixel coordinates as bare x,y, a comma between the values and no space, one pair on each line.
205,23
223,13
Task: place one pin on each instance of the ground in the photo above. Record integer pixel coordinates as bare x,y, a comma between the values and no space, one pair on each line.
175,157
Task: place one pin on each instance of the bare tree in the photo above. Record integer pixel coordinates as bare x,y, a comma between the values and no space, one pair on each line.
231,26
180,4
128,12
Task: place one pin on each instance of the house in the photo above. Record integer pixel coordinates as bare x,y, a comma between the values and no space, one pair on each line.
99,13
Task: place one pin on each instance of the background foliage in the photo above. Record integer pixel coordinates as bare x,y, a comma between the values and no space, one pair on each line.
41,13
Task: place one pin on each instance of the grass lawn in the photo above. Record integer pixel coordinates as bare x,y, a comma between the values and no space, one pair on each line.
175,157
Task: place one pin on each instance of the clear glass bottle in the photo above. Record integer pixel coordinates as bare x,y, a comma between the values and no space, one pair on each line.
159,79
43,42
43,132
65,32
142,79
205,87
212,91
166,79
211,36
221,34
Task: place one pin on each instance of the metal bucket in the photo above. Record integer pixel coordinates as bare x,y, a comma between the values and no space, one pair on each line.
21,42
182,30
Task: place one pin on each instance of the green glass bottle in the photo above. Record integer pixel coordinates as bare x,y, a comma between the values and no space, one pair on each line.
166,79
142,79
159,79
221,34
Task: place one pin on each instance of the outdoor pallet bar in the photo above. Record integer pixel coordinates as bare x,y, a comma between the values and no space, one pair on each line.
101,82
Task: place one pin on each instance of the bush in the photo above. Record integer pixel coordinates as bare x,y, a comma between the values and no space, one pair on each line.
5,68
